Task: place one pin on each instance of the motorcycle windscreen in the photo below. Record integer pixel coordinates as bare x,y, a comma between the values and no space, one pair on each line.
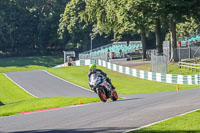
93,78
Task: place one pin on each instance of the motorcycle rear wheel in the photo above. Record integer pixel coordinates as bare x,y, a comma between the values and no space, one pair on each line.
102,94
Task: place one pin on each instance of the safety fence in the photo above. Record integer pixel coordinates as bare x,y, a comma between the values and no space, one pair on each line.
158,63
159,77
189,66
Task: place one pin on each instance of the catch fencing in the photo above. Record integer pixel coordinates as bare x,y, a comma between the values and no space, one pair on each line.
158,63
153,76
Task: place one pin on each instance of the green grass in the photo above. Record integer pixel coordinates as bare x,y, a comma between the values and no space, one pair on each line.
188,123
145,67
14,100
172,69
10,93
29,63
124,84
43,103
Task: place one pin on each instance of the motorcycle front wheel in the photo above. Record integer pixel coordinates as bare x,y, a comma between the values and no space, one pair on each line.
114,96
102,94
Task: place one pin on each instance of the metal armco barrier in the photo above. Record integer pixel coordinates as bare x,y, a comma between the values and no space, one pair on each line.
159,77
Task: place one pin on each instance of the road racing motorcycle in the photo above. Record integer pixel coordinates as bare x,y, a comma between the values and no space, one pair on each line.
102,87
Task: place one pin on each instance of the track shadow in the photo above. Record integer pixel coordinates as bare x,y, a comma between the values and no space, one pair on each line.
105,130
81,130
128,99
171,131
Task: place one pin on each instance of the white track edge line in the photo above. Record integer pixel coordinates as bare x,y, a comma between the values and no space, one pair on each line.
67,81
160,121
19,85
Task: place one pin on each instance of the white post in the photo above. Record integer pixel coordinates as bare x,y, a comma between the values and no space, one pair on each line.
179,53
64,58
91,48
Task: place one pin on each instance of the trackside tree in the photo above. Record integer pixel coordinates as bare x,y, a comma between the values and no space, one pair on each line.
176,11
44,26
71,26
29,26
138,17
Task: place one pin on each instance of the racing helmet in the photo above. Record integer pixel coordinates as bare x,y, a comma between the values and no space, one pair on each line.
92,67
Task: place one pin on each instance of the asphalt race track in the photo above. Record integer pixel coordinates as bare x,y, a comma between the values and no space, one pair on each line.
42,84
133,112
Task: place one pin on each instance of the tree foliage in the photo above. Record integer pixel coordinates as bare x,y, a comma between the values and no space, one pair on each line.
29,26
187,28
70,23
40,26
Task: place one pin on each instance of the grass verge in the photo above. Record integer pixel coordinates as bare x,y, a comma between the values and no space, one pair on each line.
14,100
124,84
29,63
172,69
9,92
188,123
43,103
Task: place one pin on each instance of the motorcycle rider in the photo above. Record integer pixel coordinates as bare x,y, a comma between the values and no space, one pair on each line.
92,68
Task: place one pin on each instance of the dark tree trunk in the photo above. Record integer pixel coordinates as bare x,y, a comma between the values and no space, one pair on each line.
144,42
159,45
174,57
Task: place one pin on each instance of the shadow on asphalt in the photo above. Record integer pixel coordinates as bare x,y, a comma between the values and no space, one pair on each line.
81,130
105,130
128,99
172,131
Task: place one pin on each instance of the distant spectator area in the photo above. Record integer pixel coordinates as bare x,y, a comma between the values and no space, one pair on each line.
116,49
189,40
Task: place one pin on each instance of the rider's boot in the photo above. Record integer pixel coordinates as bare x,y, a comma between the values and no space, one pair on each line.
94,89
112,87
109,81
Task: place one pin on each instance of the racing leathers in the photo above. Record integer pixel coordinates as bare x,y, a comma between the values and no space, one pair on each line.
103,74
